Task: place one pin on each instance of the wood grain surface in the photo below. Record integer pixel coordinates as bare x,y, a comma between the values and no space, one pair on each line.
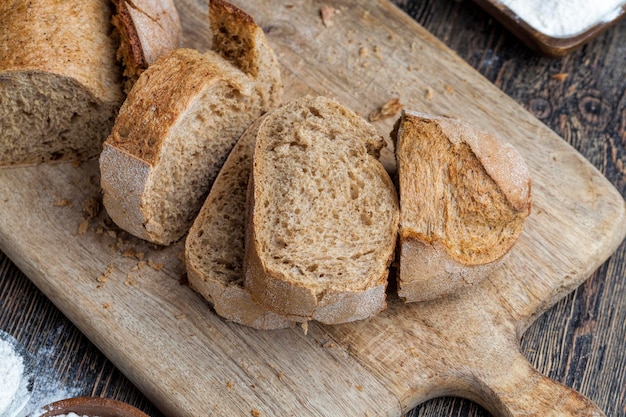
583,359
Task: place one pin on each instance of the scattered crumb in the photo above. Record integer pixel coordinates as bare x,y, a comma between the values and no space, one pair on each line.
91,207
327,12
106,305
305,327
364,51
329,344
129,253
561,76
359,387
130,280
99,230
75,164
389,109
112,233
289,6
449,89
103,278
229,384
139,255
414,352
82,227
255,413
181,316
429,94
62,203
281,376
157,266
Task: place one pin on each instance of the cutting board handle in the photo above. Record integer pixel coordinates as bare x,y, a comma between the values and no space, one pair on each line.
518,389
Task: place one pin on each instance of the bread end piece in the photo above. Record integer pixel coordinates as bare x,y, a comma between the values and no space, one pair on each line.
464,199
148,29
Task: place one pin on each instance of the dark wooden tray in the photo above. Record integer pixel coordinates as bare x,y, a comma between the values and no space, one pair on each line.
534,39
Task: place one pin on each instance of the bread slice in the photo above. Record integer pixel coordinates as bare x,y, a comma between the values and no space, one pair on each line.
323,214
464,199
173,133
148,29
214,247
61,86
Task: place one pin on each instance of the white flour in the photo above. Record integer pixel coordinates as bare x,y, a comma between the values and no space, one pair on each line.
13,388
565,18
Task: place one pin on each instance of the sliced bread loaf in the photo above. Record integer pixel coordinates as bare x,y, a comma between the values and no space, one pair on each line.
464,199
173,133
60,84
148,29
323,213
214,247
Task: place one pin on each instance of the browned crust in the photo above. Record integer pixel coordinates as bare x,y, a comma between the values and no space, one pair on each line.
235,36
130,51
160,96
77,46
429,268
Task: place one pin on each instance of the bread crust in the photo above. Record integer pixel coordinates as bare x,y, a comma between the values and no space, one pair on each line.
148,30
74,55
330,304
185,93
433,264
158,102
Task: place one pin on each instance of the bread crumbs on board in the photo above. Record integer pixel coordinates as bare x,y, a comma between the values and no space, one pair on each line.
389,109
326,13
255,413
82,227
561,76
64,202
105,276
429,94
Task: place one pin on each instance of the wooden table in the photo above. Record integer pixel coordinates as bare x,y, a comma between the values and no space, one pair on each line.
581,341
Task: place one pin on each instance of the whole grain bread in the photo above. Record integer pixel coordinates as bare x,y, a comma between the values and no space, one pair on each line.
60,83
464,199
322,214
214,247
174,132
148,29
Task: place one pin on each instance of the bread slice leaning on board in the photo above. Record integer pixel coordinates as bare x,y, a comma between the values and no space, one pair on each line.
214,247
148,29
61,86
179,123
464,198
322,214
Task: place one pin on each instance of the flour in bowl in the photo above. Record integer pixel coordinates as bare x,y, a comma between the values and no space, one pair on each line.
565,18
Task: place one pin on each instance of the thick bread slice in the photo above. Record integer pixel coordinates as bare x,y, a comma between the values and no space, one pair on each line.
214,247
148,29
464,199
174,132
60,86
323,215
170,139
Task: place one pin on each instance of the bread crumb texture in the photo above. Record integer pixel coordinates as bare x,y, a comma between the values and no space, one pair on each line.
464,197
60,86
324,213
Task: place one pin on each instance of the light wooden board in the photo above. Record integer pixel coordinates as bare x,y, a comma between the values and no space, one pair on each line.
189,362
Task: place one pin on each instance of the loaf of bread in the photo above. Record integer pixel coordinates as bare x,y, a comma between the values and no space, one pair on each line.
148,29
60,83
178,125
322,214
214,247
464,199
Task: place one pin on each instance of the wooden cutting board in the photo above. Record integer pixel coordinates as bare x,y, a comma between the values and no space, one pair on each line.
127,296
